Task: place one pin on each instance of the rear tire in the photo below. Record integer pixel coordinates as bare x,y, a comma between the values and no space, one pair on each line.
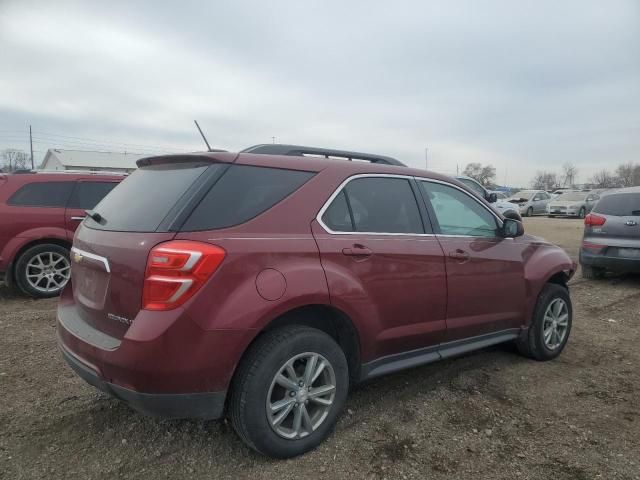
592,273
551,216
258,391
43,271
550,327
582,213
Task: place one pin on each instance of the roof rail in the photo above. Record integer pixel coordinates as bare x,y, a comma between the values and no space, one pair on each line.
301,151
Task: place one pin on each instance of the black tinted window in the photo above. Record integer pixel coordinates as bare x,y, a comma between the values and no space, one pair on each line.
242,193
144,199
50,194
383,205
621,204
87,195
337,216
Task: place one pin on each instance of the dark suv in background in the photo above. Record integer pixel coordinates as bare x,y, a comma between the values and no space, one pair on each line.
39,213
262,284
611,240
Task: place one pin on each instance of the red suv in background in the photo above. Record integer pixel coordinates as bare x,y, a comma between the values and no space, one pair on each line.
262,284
39,213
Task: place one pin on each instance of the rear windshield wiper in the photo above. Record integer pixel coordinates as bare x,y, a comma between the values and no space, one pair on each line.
95,216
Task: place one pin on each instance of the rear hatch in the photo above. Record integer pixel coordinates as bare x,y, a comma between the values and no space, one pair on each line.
112,245
620,231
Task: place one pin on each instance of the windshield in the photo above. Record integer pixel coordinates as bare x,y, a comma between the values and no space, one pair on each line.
527,194
573,196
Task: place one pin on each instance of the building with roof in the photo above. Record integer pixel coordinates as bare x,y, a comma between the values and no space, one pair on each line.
59,160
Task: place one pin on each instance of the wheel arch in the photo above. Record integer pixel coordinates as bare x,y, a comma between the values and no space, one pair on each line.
326,318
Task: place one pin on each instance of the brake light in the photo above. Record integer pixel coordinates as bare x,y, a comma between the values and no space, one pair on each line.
594,220
176,270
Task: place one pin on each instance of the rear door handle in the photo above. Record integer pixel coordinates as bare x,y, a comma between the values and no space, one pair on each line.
459,255
78,218
357,251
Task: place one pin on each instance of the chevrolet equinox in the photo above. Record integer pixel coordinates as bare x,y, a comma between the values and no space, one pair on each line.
262,284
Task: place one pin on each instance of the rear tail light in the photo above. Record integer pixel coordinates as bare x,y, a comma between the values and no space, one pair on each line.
593,247
176,270
593,220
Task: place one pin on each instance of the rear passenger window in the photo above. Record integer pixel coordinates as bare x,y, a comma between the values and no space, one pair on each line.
337,216
242,193
375,205
49,194
87,195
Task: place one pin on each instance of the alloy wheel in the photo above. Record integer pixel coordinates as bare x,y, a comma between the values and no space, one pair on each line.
48,272
555,324
301,395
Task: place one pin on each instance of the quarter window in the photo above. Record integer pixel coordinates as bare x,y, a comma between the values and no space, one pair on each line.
457,213
49,194
375,205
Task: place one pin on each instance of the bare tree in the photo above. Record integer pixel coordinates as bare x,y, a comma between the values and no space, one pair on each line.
544,180
604,179
628,174
13,159
569,174
485,175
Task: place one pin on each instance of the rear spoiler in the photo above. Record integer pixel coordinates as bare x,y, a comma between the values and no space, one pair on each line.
209,157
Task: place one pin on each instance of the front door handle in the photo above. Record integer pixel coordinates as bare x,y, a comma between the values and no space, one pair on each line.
357,251
79,219
459,255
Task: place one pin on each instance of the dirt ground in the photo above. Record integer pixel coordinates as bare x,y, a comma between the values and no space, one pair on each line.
492,414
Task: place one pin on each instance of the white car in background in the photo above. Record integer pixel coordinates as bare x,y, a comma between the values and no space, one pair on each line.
530,202
507,209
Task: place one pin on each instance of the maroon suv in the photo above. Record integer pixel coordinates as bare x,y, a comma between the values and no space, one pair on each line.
263,284
39,213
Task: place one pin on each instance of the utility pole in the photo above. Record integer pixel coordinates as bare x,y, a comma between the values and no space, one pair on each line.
426,158
273,139
31,143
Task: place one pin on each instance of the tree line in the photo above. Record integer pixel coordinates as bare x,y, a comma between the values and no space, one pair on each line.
625,175
13,159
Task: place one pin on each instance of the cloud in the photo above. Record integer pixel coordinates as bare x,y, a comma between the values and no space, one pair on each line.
522,85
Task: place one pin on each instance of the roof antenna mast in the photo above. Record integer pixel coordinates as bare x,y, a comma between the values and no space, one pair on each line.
203,137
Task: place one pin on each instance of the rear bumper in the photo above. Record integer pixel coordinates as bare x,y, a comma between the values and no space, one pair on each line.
207,405
616,264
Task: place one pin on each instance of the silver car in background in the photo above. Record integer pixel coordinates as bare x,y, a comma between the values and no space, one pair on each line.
611,240
572,204
502,206
530,202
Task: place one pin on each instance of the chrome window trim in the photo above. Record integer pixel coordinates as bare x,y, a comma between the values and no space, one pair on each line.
340,187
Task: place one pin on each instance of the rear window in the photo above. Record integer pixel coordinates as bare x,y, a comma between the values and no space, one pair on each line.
620,204
242,193
145,198
49,194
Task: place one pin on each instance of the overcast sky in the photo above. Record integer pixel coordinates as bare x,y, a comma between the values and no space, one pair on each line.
521,85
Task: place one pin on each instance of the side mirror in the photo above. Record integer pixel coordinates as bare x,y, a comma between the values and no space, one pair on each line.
492,198
512,228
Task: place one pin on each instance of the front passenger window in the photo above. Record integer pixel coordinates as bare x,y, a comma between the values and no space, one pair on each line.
457,213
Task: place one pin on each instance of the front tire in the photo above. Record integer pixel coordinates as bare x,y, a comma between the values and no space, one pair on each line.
529,212
582,213
550,327
592,273
43,271
288,391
